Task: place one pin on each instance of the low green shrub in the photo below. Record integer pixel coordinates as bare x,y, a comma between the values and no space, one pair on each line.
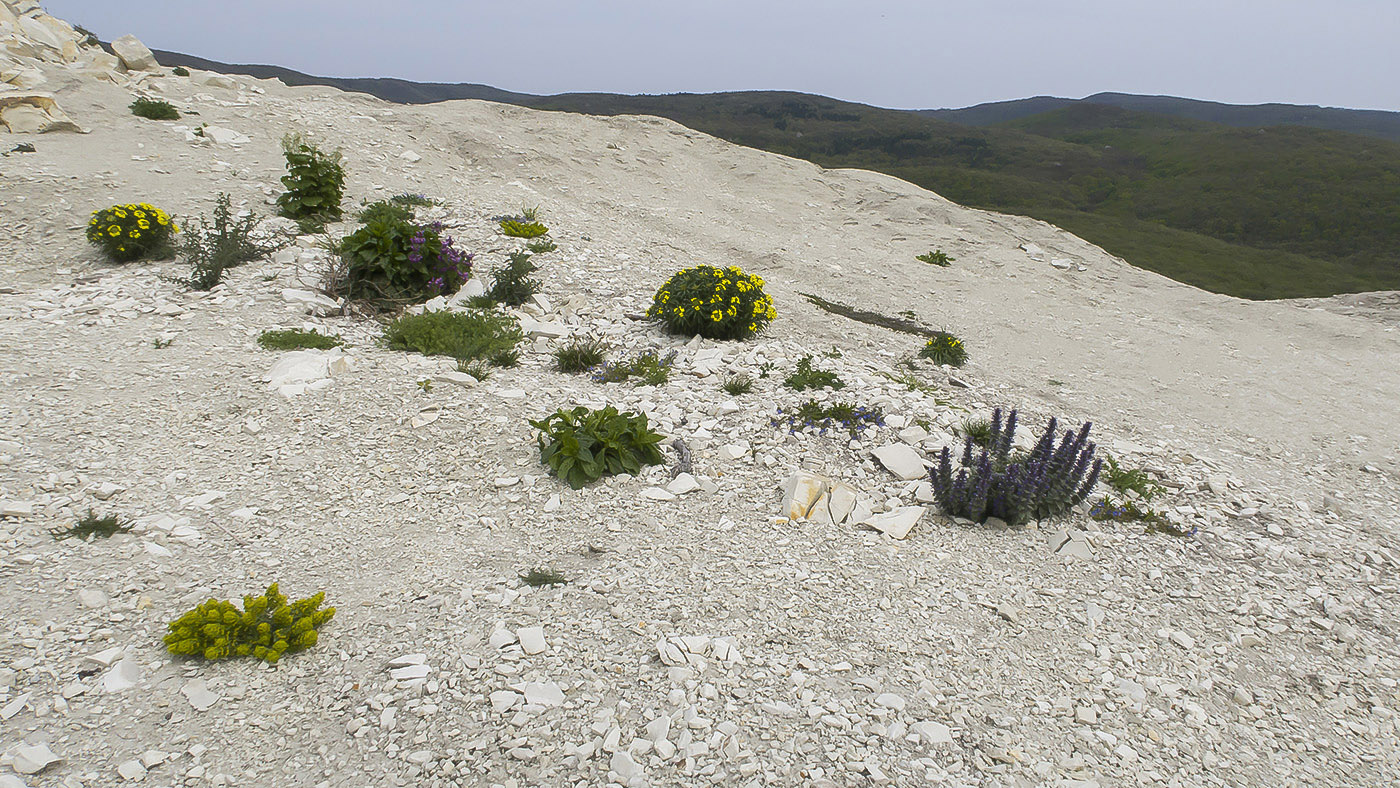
512,284
1126,480
390,260
541,246
266,628
649,367
385,209
315,181
466,336
717,303
581,445
737,385
154,109
94,525
813,415
132,232
212,247
522,229
944,348
297,339
413,200
180,71
935,258
580,355
807,377
536,578
1016,489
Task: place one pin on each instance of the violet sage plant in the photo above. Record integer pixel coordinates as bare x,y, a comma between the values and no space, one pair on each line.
1035,486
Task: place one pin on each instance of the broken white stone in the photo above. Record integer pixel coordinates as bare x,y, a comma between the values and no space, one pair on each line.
658,494
15,706
801,491
901,460
532,640
932,732
106,490
222,136
544,693
896,523
132,770
134,54
199,695
33,758
122,676
624,766
412,157
682,484
301,370
504,700
890,701
733,451
410,673
16,508
841,501
537,328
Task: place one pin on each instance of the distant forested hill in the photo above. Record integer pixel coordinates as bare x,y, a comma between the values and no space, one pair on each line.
1259,211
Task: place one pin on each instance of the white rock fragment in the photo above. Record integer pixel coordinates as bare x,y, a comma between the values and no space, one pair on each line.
624,766
658,494
410,673
683,483
932,733
890,700
901,460
896,523
122,676
801,491
16,508
132,770
532,640
505,700
300,371
33,758
412,157
135,55
544,693
199,695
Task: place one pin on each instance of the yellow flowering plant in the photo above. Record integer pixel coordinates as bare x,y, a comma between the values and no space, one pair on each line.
717,303
944,348
132,231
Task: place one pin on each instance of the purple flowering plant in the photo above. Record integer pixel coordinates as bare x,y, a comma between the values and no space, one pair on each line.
389,259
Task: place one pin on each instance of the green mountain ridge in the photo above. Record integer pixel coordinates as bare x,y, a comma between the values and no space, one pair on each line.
1274,212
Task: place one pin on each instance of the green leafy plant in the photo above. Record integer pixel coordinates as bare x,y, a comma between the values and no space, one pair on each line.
297,339
426,385
541,246
807,377
909,379
536,578
94,525
978,429
530,213
522,229
213,247
161,344
154,109
737,385
649,367
935,258
813,415
580,355
385,209
413,200
180,71
266,628
717,303
944,348
132,232
581,445
315,180
1126,480
391,260
466,336
505,358
512,284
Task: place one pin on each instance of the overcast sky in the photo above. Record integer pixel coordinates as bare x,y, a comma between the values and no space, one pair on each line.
901,53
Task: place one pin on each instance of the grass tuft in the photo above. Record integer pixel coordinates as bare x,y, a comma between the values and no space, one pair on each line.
297,339
93,525
580,355
543,577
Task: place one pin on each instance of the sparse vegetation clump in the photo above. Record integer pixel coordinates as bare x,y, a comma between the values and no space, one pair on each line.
1035,486
936,257
391,260
737,385
649,367
385,209
466,336
154,109
297,339
413,200
512,284
541,246
814,415
93,525
133,231
805,377
212,247
580,355
538,577
266,628
517,228
180,71
581,446
978,429
716,303
944,348
315,181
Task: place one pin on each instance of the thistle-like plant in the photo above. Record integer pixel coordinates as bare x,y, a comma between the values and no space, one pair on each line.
1044,483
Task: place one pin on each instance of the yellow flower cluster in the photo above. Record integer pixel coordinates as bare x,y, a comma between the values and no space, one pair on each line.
722,303
129,231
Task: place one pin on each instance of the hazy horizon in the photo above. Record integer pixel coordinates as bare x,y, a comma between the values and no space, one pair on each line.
905,55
